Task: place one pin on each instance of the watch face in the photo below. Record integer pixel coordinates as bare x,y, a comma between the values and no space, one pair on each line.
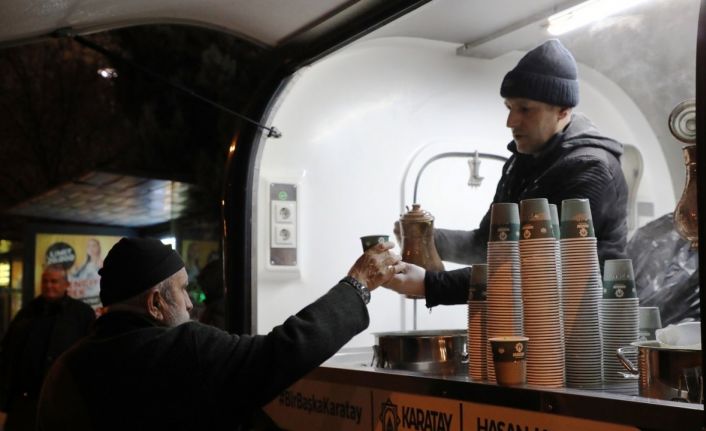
366,294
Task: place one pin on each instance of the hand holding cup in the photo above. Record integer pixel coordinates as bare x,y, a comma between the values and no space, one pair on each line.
377,265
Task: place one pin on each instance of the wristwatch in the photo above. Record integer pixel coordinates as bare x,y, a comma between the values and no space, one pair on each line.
358,286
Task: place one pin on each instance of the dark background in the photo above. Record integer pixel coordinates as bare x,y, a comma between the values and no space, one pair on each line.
60,119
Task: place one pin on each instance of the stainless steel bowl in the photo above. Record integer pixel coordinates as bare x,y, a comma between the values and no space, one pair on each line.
438,352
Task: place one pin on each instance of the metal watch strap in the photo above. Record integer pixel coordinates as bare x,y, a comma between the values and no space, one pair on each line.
358,286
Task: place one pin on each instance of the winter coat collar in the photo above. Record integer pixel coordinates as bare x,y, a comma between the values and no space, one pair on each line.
41,305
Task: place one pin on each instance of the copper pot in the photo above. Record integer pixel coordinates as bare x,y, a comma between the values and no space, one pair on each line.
417,232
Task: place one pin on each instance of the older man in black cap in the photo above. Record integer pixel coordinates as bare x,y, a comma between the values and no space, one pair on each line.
146,367
556,154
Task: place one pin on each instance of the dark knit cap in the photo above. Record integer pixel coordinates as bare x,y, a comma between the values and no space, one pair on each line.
133,266
546,74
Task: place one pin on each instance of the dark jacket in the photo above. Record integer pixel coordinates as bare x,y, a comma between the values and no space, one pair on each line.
40,332
576,163
133,374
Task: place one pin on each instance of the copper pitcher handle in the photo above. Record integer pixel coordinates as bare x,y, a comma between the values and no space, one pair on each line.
620,353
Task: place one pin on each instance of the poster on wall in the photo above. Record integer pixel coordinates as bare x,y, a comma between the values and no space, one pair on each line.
81,256
16,287
197,254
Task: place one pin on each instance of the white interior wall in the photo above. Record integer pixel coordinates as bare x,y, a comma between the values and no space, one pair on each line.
354,123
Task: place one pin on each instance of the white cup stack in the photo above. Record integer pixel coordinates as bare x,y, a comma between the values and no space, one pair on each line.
540,296
477,323
581,295
619,316
504,298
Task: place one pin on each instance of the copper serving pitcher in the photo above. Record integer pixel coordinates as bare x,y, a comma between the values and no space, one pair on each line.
682,124
686,218
417,232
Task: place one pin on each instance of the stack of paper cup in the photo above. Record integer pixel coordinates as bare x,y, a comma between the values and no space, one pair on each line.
619,315
540,295
504,303
477,323
557,236
581,295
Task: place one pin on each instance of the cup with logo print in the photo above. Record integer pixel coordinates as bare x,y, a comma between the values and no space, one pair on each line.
535,219
371,240
576,220
618,279
510,359
504,222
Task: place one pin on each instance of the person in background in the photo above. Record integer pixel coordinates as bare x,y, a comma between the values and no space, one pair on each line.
210,279
556,154
40,332
145,366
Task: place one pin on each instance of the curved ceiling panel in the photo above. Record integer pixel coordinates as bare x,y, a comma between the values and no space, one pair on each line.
267,22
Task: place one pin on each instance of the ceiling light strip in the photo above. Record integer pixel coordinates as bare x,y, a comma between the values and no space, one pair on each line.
587,13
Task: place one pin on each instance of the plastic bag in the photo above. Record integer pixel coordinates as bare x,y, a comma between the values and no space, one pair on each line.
666,270
685,335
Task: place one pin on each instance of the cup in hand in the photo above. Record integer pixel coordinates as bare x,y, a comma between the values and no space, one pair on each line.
510,359
371,240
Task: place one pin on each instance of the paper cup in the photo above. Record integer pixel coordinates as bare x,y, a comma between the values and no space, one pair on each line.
576,220
535,219
618,279
555,221
504,222
510,359
649,321
371,240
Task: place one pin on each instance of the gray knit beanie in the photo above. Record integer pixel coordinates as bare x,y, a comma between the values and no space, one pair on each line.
546,74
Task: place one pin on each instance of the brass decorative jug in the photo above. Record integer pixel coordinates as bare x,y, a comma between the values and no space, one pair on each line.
417,232
686,220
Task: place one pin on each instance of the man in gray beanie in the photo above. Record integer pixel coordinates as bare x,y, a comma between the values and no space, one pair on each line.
145,366
556,154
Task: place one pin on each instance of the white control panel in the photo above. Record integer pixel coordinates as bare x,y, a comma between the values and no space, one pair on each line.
283,224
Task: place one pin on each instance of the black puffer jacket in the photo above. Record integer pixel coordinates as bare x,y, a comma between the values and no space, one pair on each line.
578,163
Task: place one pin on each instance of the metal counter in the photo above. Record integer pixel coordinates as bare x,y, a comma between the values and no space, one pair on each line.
346,393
